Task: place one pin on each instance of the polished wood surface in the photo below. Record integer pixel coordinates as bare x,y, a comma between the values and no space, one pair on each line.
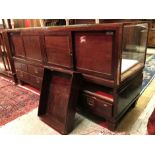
92,56
58,50
32,47
18,46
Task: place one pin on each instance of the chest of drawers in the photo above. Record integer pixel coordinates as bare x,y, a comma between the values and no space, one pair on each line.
29,73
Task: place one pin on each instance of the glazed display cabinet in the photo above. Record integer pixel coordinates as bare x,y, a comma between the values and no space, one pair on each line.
109,57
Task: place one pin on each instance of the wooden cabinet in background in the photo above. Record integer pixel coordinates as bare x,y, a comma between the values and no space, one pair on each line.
151,37
6,67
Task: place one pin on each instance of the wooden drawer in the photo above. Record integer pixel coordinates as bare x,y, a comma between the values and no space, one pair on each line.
17,66
37,71
96,105
36,81
24,67
22,76
20,66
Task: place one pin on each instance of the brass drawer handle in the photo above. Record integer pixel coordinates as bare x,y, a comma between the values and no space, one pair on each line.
91,101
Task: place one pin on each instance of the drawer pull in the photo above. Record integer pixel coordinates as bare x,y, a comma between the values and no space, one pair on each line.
91,102
105,105
38,81
36,71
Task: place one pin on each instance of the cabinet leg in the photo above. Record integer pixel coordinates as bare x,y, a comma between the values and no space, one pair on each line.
20,82
112,126
15,80
134,104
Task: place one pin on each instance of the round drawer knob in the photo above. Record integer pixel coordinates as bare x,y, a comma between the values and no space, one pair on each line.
105,105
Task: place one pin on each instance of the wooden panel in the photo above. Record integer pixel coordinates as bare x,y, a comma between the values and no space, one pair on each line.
23,76
24,67
60,84
35,81
58,50
20,66
38,71
151,38
32,47
18,46
17,65
94,52
96,105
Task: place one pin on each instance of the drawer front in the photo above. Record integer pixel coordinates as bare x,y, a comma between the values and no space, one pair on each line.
23,76
37,71
21,66
36,81
24,67
18,66
97,106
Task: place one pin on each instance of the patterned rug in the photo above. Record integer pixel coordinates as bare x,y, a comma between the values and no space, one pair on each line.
149,72
15,101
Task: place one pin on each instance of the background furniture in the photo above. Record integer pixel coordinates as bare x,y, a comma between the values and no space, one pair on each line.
109,56
5,62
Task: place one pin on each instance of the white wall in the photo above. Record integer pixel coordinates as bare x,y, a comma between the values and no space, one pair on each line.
1,21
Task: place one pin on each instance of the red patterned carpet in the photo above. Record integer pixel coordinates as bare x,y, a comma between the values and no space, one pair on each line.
15,101
151,124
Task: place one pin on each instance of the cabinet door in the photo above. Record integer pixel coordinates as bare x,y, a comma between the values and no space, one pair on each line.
94,53
58,50
32,47
18,48
37,71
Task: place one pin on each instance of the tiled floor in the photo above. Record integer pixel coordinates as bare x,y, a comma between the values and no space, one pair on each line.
134,121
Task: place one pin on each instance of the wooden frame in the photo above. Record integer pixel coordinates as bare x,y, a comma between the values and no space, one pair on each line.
58,99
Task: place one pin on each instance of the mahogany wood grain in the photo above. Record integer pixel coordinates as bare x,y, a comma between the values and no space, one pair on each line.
94,52
18,46
58,99
32,47
58,50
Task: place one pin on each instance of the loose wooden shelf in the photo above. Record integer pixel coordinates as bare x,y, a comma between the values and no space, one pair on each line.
58,99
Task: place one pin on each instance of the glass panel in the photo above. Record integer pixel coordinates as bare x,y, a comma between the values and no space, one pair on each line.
134,43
